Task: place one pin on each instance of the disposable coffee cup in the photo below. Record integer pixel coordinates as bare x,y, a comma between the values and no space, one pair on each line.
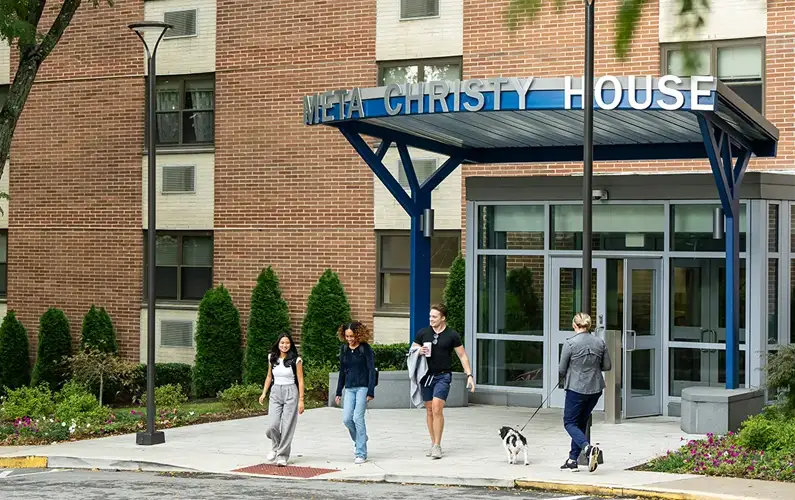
428,345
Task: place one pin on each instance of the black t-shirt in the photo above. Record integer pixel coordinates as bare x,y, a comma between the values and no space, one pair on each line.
441,359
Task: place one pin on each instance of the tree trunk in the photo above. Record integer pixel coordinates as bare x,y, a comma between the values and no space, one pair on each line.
101,388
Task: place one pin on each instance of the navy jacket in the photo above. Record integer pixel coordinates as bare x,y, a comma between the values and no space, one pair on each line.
357,369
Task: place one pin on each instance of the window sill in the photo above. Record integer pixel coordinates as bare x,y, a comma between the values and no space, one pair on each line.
391,314
3,300
175,305
183,149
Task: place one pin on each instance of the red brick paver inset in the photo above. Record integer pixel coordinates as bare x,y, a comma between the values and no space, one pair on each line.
289,471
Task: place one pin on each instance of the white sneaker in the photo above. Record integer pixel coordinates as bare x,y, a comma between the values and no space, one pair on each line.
359,460
281,462
270,457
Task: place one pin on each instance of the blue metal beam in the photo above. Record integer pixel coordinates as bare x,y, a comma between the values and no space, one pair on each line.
441,173
420,270
728,179
408,167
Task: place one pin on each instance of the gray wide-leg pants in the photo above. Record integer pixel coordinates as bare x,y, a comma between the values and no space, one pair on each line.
282,417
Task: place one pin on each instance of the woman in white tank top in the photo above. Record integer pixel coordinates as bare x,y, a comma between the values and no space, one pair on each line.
286,402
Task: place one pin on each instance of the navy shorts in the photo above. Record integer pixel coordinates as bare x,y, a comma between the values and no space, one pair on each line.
436,386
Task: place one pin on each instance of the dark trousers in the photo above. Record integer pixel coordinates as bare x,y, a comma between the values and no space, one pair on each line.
575,419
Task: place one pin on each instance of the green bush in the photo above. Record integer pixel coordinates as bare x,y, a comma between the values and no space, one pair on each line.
768,433
268,319
55,343
71,388
241,397
14,354
781,377
180,374
98,332
81,409
316,381
455,296
390,357
168,397
327,308
219,356
31,402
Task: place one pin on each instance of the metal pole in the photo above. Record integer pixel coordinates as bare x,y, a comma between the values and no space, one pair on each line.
151,437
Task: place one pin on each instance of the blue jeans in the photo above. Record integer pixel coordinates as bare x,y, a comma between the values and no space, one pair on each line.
353,405
575,419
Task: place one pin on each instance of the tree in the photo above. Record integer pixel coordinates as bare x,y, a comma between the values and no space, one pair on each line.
93,366
14,357
219,355
55,343
691,14
268,319
326,309
455,296
98,332
19,22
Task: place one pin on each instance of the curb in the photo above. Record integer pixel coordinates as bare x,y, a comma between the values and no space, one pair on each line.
28,462
639,492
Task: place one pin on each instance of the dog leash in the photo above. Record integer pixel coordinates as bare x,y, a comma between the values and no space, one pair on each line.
539,407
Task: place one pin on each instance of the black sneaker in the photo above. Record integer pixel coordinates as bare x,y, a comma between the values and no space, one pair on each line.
570,465
592,454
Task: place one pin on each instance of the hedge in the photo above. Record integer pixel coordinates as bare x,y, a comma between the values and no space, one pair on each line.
327,308
55,343
14,359
390,357
98,331
219,355
165,374
268,319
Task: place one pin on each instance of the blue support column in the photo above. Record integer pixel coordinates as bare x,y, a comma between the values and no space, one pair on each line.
420,271
728,178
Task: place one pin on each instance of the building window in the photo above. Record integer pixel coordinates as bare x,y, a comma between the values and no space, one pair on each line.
394,250
183,265
3,94
3,262
423,168
740,64
420,70
185,108
415,9
184,22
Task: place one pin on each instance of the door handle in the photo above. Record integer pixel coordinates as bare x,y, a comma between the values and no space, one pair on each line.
627,335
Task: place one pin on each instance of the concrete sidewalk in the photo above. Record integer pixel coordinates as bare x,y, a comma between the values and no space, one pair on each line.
398,442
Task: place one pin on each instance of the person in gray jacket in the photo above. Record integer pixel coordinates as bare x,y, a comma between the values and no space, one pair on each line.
582,362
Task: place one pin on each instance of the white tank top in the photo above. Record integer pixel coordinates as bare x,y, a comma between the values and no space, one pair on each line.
283,375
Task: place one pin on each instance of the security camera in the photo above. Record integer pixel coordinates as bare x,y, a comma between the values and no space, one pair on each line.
599,195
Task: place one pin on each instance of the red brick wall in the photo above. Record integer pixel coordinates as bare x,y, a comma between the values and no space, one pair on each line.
75,213
552,46
287,195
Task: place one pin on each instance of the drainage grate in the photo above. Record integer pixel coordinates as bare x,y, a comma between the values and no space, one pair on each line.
289,471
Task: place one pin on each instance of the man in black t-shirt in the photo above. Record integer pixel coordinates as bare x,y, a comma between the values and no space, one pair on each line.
436,385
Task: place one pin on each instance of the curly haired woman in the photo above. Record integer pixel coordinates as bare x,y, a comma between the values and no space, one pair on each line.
357,379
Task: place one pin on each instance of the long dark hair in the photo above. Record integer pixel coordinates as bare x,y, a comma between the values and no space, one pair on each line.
275,353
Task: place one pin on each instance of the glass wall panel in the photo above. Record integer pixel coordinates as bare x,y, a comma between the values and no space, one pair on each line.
772,301
699,368
692,229
615,227
772,228
511,295
511,227
514,363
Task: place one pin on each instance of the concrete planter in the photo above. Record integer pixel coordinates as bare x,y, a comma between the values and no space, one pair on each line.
716,410
393,390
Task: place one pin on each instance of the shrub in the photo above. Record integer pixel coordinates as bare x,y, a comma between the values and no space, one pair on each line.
14,355
31,402
94,368
268,319
781,377
180,374
98,332
326,309
55,344
241,397
390,357
316,381
768,433
71,388
219,356
81,409
168,397
455,296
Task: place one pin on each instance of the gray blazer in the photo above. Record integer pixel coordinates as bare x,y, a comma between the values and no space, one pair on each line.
582,362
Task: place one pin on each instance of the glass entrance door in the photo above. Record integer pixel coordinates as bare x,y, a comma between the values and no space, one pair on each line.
566,300
642,338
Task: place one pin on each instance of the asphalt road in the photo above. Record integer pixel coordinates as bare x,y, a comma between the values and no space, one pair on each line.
55,484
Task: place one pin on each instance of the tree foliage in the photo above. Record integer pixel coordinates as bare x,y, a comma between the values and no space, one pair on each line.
268,319
93,367
55,343
98,332
219,354
455,296
14,358
326,309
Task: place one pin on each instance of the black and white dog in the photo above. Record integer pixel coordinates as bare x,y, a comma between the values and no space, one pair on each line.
514,442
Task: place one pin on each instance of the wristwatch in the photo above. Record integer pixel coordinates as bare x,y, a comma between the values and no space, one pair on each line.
469,375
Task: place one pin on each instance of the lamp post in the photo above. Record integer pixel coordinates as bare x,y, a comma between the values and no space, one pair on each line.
150,436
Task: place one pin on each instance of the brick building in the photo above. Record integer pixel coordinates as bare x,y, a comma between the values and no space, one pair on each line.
243,184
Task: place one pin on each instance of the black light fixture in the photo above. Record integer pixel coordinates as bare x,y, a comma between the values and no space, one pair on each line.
150,436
